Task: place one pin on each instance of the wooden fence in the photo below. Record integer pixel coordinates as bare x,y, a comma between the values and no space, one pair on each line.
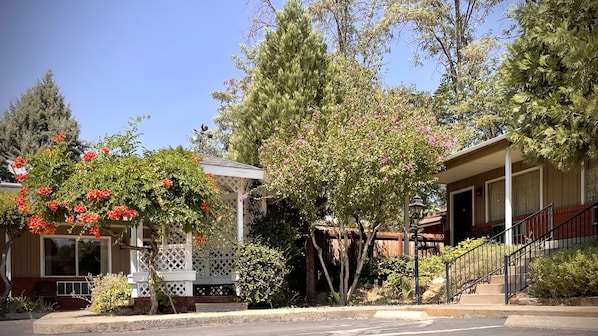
386,244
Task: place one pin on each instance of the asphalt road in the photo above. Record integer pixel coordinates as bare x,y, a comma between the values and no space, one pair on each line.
380,327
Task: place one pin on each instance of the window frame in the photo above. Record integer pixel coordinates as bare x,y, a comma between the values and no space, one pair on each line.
584,180
77,238
503,178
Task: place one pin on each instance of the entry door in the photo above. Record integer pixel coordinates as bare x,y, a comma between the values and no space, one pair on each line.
462,215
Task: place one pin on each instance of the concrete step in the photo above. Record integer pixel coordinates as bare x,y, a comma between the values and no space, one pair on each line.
490,289
482,299
497,279
220,307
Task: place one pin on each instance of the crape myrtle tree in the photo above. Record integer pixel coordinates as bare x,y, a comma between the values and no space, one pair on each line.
551,79
30,122
115,184
293,71
356,167
13,223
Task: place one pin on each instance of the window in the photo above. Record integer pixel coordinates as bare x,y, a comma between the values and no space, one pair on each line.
591,180
525,195
69,256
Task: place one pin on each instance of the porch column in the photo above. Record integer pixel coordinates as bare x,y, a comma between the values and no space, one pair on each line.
8,260
136,240
240,210
508,198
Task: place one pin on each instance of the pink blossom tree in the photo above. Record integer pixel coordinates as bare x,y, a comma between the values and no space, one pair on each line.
356,165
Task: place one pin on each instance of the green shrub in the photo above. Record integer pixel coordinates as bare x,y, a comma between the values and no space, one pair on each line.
109,292
566,273
262,271
22,304
451,252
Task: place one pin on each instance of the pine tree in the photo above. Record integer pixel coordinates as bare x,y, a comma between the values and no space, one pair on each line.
293,73
551,78
32,120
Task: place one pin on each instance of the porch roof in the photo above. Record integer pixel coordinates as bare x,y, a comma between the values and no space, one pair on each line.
475,160
223,167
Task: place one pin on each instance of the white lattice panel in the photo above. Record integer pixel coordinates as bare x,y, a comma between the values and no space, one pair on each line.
169,258
221,263
200,265
230,184
173,288
176,235
214,264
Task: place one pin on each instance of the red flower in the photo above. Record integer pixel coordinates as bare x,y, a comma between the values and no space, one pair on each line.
205,206
20,200
129,213
38,226
59,138
196,158
121,212
98,194
200,239
21,177
53,205
44,191
114,214
24,191
81,208
19,162
88,156
105,150
167,183
88,218
211,176
70,219
95,231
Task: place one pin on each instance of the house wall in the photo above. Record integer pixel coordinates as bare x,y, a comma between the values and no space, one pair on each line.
26,255
562,189
26,269
479,181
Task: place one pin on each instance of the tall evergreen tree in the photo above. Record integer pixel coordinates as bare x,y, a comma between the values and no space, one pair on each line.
293,72
32,120
551,78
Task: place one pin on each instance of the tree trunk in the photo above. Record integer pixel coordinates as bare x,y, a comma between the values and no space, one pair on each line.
345,266
7,282
323,264
362,257
153,282
310,269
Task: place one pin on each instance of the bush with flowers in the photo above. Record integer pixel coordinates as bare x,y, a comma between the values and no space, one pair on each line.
117,182
357,164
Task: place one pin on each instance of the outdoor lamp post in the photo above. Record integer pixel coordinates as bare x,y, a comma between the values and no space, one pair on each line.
416,208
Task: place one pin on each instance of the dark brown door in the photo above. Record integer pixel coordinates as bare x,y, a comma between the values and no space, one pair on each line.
462,215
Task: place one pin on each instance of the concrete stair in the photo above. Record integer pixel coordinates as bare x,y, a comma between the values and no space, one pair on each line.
491,293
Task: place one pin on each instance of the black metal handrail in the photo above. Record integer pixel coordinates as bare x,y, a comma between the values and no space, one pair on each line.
476,265
580,228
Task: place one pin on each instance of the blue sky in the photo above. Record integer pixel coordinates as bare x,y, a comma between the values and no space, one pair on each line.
118,59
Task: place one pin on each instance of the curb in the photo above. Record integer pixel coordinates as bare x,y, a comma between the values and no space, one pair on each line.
85,322
553,322
564,317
